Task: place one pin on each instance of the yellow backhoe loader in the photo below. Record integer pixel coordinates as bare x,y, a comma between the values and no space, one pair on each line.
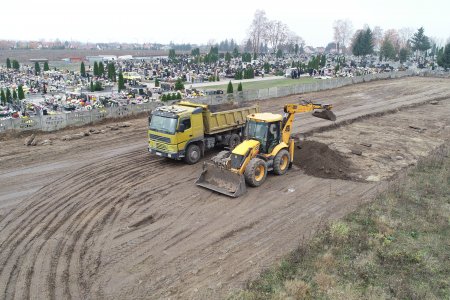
268,146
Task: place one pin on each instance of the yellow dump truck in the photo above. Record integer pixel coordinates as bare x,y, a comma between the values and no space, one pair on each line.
186,130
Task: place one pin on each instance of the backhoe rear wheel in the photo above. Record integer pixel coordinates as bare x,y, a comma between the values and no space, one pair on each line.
281,162
255,172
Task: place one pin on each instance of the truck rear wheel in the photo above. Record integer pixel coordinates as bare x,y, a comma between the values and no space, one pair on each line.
193,154
234,140
281,162
255,172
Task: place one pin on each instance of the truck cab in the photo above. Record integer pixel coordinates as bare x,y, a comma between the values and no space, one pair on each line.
171,128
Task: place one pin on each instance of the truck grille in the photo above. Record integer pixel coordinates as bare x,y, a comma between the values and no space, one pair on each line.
160,146
159,138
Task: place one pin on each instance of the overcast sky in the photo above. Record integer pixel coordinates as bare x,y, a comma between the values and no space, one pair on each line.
201,21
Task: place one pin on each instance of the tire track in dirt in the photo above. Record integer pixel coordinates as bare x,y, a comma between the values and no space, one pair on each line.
53,224
125,225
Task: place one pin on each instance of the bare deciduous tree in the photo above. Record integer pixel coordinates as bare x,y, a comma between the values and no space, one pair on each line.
257,29
393,36
276,34
377,37
343,30
405,35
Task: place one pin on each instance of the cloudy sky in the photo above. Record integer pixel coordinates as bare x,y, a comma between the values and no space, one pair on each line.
202,21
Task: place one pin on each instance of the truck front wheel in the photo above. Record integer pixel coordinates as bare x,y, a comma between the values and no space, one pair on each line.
193,154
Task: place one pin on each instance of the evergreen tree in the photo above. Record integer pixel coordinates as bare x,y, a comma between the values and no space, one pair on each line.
195,52
14,94
444,57
3,97
46,67
15,65
172,54
164,98
239,88
238,74
8,96
230,88
420,42
98,86
20,92
323,61
37,68
121,84
387,49
92,86
179,85
96,69
279,53
227,57
179,97
363,43
235,52
111,72
403,55
101,69
83,69
8,63
156,82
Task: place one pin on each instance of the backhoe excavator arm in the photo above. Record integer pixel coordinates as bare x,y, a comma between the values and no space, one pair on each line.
291,109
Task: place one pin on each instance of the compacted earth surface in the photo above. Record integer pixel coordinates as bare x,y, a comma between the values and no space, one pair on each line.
89,213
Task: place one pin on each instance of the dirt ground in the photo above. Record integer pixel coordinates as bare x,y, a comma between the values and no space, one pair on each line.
99,217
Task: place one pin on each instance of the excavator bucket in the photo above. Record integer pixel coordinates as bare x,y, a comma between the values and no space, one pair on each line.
325,114
221,180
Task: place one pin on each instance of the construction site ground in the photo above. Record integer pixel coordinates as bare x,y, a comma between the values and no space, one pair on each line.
96,216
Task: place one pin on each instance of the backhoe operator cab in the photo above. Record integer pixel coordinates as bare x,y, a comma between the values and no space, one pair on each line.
266,129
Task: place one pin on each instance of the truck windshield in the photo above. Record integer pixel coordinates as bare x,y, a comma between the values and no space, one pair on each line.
257,131
163,124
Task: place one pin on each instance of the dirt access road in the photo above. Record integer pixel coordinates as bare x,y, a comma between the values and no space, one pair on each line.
99,217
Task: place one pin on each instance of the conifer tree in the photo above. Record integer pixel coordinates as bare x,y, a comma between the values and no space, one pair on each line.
2,97
20,92
96,69
230,88
101,69
83,69
121,82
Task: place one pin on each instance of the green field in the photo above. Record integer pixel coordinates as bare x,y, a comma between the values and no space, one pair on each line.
264,84
396,247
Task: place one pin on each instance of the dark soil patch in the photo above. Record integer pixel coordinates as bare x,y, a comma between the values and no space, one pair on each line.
318,160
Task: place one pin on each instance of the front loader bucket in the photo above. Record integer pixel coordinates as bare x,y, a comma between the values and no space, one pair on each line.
325,114
221,180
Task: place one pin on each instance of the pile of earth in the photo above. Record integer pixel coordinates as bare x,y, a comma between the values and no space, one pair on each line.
318,160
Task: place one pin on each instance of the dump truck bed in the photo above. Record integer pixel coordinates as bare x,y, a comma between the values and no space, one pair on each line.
223,117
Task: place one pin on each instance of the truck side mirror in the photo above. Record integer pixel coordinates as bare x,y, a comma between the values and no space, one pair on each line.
181,127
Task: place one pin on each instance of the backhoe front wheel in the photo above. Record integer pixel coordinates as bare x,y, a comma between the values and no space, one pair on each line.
281,162
255,172
193,154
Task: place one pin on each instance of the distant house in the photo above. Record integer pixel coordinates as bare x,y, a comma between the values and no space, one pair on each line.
73,59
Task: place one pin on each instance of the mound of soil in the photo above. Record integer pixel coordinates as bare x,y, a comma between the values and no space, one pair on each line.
318,160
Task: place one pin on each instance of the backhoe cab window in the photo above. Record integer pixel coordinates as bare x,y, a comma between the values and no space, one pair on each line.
257,131
163,124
